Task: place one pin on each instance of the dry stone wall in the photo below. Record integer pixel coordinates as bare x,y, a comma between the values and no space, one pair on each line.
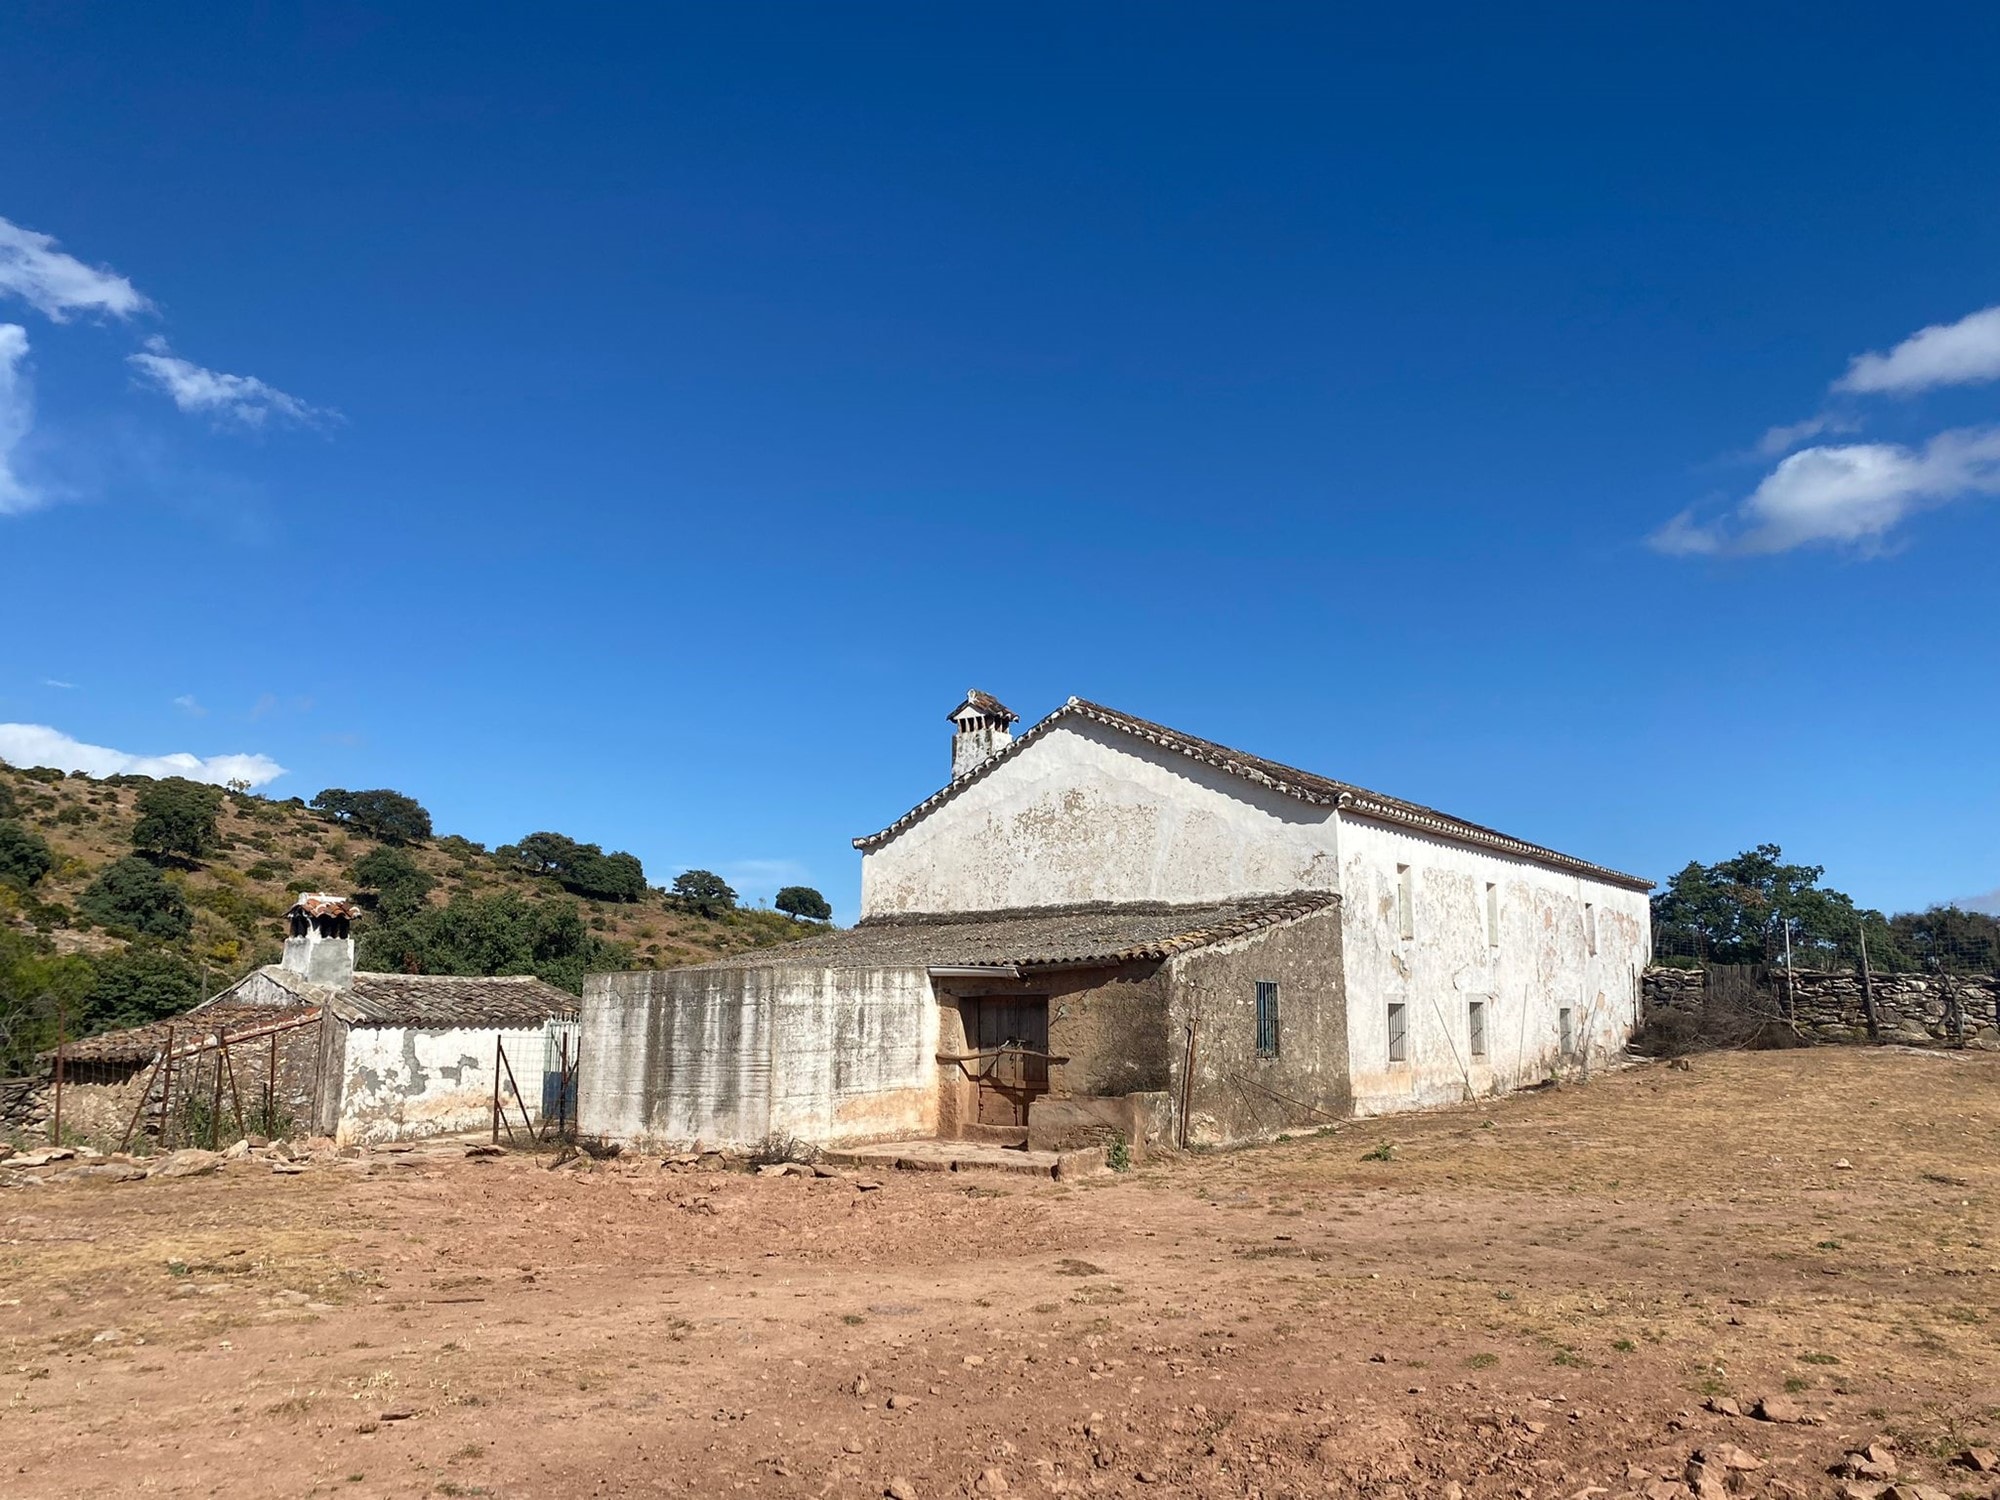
1915,1009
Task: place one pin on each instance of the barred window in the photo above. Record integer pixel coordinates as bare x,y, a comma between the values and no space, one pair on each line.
1475,1027
1399,1034
1267,1018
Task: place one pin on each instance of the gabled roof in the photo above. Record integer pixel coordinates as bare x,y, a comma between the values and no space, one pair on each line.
984,704
1049,937
1304,785
438,1000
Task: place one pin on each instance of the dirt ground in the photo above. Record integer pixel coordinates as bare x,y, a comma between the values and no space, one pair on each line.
1531,1298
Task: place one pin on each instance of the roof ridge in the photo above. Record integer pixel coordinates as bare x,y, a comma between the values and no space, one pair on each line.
1306,786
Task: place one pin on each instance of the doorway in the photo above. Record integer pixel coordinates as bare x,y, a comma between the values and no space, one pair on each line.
1011,1035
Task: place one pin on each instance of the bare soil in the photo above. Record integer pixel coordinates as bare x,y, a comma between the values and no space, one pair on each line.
1530,1297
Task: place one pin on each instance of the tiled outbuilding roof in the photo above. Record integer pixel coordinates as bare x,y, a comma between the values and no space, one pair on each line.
1052,937
438,1000
141,1044
1304,785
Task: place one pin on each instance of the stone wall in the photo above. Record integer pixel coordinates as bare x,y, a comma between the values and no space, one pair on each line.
1916,1009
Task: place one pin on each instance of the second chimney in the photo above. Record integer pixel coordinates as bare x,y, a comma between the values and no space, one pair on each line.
979,732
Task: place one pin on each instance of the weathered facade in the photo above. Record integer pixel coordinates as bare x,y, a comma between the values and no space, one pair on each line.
1278,949
358,1056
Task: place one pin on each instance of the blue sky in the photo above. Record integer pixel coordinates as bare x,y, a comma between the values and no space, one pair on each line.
646,423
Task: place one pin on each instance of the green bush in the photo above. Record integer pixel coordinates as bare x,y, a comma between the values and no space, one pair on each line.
133,895
24,857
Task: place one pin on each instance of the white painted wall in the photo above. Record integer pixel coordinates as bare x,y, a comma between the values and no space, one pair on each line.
400,1083
725,1056
1089,813
1541,964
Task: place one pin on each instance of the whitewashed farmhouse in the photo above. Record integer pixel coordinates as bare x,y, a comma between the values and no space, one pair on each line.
1105,924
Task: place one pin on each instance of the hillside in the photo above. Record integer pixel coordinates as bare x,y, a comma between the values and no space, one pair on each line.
502,916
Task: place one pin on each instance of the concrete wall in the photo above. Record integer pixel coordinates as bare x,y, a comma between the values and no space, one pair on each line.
1089,813
400,1083
1236,1093
728,1056
1542,963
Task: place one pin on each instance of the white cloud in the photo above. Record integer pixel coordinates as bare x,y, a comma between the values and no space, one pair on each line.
190,705
1963,353
1778,440
1849,495
17,415
242,399
57,682
56,284
39,745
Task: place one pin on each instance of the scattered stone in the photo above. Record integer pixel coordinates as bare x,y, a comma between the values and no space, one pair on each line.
1663,1489
901,1403
852,1445
1723,1405
900,1489
400,1414
188,1164
866,1186
1908,1491
860,1385
774,1169
288,1168
1856,1489
257,1142
109,1336
485,1148
990,1482
973,1361
41,1158
1843,1165
1729,1456
1634,1474
103,1172
1779,1409
1979,1460
238,1151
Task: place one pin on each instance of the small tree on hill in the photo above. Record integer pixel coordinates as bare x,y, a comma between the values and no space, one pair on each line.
705,892
804,903
389,816
177,817
399,885
133,894
24,856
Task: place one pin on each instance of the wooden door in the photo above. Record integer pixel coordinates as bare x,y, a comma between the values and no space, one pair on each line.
1008,1081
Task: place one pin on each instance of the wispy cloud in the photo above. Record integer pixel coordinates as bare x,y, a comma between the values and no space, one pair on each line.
242,399
1853,495
190,705
39,745
56,283
1777,440
57,682
17,416
1963,353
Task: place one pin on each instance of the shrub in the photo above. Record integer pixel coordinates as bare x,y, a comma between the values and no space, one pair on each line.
24,857
133,895
399,885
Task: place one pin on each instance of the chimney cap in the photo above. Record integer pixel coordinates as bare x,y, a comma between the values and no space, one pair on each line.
978,705
320,904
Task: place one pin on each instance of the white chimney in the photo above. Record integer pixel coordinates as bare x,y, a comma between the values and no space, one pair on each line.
979,732
320,949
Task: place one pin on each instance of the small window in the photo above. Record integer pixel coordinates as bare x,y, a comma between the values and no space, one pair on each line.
1568,1036
1492,915
1267,1018
1406,915
1475,1025
1590,927
1399,1034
